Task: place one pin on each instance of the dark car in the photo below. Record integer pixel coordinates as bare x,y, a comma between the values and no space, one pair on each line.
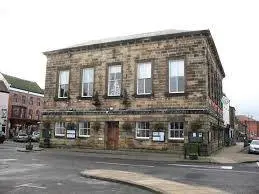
21,137
2,137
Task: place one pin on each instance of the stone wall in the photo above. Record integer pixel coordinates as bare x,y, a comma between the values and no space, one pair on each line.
194,104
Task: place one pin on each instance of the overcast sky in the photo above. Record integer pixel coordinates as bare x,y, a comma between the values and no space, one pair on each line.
29,27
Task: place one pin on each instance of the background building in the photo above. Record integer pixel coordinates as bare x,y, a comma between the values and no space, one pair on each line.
147,91
24,105
4,97
252,125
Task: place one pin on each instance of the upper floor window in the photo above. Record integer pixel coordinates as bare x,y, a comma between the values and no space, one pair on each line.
176,76
38,101
176,130
144,81
87,82
84,129
15,98
114,80
60,129
63,84
31,101
23,99
142,130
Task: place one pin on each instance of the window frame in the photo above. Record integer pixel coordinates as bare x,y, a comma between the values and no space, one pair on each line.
151,77
88,129
184,75
59,73
38,101
23,99
137,129
31,101
169,131
82,82
108,79
63,126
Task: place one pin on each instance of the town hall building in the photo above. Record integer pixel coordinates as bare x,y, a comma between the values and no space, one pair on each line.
145,91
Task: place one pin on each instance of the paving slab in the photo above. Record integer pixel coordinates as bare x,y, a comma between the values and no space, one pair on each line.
151,183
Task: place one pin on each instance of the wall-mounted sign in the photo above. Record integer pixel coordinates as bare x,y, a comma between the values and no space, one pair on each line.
195,137
158,136
71,134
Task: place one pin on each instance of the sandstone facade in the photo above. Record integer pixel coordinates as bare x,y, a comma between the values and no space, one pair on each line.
200,101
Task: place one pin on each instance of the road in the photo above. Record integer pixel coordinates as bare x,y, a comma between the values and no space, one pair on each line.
57,171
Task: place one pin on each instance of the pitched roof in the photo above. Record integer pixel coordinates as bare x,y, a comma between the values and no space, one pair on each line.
3,87
23,84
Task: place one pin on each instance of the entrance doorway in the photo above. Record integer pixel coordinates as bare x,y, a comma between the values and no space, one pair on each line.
112,135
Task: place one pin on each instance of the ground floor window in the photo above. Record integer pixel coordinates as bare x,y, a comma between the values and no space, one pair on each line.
176,130
84,129
60,129
142,130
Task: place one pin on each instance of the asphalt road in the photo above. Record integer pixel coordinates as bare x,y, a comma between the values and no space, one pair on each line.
57,171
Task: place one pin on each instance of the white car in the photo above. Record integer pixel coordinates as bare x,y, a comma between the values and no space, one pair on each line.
254,146
35,136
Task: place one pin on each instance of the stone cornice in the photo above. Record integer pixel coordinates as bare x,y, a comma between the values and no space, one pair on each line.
127,111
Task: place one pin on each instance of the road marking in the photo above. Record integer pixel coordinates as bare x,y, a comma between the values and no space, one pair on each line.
222,170
120,164
31,185
203,166
226,167
7,160
257,164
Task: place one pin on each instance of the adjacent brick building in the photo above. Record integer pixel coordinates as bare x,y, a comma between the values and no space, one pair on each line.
24,106
145,91
251,124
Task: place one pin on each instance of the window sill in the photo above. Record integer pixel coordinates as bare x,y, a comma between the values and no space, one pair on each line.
61,99
111,97
60,135
84,136
84,97
142,138
143,95
176,138
167,94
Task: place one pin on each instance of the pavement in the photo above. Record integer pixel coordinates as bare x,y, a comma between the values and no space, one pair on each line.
234,154
228,155
151,183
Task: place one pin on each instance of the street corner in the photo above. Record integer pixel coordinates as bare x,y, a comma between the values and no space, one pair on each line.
147,182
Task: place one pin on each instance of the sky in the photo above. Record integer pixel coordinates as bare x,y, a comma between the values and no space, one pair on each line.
30,27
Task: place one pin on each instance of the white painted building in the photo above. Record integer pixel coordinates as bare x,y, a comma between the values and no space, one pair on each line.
4,99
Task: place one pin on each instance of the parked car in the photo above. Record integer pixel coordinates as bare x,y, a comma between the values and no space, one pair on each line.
21,137
254,146
35,136
2,137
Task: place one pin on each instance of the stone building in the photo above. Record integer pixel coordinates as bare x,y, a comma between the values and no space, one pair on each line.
24,106
145,91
